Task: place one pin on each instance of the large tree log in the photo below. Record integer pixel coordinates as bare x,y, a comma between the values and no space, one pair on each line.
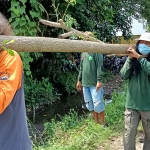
44,44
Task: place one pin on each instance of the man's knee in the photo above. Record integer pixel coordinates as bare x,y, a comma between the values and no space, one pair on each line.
99,106
89,105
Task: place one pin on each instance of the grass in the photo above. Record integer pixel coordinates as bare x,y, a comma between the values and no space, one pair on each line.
75,132
107,76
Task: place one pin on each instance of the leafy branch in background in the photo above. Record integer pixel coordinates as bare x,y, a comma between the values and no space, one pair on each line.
3,46
25,23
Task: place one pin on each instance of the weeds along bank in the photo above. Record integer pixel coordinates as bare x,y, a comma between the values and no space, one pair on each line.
43,97
39,94
76,132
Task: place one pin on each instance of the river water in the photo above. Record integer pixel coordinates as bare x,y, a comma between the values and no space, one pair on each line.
62,107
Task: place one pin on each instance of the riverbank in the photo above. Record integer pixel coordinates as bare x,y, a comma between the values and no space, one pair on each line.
79,132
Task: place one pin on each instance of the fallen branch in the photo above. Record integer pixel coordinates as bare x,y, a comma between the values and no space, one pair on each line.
62,36
44,44
62,25
71,31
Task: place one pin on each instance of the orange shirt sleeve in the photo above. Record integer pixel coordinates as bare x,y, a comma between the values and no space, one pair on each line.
10,77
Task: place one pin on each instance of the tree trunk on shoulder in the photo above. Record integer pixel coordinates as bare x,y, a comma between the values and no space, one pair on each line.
45,44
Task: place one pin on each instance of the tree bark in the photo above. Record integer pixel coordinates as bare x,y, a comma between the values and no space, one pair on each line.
45,44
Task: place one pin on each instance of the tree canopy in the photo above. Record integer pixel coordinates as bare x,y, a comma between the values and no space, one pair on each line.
104,17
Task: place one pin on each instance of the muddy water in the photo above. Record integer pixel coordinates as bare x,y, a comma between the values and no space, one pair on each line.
76,102
62,107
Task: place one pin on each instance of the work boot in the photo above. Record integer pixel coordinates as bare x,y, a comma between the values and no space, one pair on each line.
105,125
141,139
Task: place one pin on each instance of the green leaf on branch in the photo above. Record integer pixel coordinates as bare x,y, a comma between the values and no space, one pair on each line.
10,42
6,42
9,51
28,73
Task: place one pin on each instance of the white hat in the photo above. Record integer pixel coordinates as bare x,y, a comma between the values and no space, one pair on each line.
144,36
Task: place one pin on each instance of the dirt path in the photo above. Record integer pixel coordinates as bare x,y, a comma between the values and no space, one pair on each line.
117,144
111,85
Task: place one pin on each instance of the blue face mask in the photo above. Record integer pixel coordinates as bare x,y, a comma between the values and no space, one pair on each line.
144,49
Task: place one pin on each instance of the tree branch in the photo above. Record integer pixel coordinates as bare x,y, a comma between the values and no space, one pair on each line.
62,36
45,44
71,31
62,25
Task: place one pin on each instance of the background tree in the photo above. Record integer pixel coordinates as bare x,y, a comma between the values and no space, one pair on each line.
143,9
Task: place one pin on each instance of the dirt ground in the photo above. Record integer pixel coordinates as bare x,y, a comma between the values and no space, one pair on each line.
117,142
111,85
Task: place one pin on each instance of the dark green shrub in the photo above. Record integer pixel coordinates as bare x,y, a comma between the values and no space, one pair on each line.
39,92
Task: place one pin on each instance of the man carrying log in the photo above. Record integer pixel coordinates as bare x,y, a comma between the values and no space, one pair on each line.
137,71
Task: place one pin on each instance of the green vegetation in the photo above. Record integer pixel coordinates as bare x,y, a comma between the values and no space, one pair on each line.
76,132
107,75
34,92
4,44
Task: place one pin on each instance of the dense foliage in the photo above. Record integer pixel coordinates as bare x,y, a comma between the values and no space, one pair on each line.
141,11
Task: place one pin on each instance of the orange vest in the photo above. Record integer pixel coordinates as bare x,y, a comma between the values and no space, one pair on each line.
14,133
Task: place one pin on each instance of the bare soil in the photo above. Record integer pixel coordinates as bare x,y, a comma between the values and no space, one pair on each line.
111,85
117,144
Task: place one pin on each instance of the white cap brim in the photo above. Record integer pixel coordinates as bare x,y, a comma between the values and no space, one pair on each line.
142,39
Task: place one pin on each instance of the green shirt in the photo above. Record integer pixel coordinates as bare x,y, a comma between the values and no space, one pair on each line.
138,92
90,69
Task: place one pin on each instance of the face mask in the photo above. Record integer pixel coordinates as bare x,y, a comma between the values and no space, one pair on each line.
144,49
